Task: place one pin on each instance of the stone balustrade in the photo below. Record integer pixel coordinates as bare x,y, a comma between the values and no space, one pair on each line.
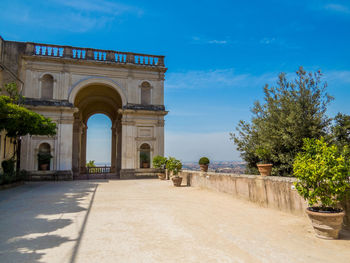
270,191
68,52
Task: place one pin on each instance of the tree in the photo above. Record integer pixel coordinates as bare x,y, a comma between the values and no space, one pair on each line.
19,121
340,131
291,111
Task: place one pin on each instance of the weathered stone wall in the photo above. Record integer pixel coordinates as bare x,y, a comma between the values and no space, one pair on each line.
272,192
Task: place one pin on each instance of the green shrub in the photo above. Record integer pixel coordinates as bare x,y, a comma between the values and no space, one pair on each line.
203,161
322,172
8,166
44,157
144,157
264,155
173,165
159,162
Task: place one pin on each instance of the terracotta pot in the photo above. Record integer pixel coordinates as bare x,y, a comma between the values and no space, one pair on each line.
326,225
145,165
161,176
177,180
265,169
44,166
204,167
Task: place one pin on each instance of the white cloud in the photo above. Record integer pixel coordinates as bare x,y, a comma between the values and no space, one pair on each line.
337,8
192,146
199,40
105,7
216,79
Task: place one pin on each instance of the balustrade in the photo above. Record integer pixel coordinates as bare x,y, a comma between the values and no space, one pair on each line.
98,170
35,49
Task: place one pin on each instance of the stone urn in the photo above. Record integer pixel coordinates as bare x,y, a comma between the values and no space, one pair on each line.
265,169
176,180
44,166
326,225
161,176
204,167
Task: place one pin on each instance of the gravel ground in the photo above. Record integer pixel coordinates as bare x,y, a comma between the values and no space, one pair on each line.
151,221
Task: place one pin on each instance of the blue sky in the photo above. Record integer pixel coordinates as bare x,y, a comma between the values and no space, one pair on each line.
219,53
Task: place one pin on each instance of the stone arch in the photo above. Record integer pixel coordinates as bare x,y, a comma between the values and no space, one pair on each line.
47,83
74,90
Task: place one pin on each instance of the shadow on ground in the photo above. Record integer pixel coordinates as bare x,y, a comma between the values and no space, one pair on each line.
24,227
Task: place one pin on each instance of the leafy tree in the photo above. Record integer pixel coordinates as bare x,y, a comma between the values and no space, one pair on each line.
323,173
291,111
19,121
340,131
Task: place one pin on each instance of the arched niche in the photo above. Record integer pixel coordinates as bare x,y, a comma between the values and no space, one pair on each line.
44,157
145,155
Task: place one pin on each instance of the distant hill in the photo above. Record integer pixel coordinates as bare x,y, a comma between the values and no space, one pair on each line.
237,167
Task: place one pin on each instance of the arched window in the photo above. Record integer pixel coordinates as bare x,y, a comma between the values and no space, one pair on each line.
47,87
44,157
145,156
145,93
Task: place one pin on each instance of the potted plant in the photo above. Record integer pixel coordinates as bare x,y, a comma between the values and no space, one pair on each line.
174,167
204,164
264,165
323,180
44,160
144,157
159,162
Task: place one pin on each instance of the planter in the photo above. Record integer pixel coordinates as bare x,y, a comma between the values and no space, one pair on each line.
265,169
161,176
44,166
145,165
204,167
326,225
177,180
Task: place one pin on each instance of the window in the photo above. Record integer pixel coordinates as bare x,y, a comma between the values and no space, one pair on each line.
47,87
145,93
145,156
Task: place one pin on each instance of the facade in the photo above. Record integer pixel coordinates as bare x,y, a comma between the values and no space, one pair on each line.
70,84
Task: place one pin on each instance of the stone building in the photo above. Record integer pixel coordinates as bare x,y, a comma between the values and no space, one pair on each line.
70,84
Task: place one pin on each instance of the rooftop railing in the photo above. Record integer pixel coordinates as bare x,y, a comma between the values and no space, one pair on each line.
46,50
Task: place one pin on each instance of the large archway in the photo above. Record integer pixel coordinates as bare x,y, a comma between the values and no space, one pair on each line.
92,99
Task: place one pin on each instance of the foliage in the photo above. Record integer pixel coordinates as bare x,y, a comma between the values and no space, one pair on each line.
91,163
291,111
44,157
159,162
8,166
173,165
340,131
264,155
203,161
19,121
144,157
323,173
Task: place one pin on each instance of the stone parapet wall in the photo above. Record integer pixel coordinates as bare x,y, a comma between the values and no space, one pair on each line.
272,191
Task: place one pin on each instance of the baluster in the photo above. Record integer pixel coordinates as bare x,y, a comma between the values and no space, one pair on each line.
67,52
89,54
40,50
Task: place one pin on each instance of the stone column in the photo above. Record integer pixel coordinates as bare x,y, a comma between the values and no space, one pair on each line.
76,145
83,150
114,147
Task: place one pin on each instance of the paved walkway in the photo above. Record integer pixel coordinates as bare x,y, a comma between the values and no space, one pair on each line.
151,221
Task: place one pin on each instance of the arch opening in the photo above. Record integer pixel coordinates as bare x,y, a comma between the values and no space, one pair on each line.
47,86
97,100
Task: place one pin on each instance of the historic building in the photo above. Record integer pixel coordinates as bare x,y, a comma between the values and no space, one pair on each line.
70,84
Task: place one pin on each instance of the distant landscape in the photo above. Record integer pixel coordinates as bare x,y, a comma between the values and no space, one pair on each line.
237,167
